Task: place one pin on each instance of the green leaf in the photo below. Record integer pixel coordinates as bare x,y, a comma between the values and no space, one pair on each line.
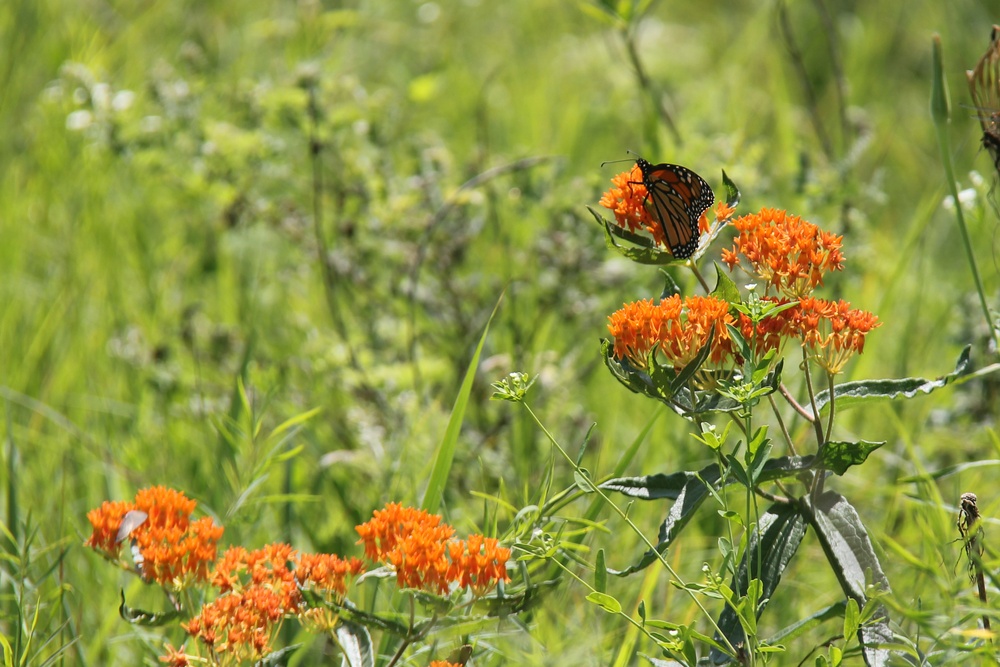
725,288
279,658
799,628
661,485
688,491
852,618
732,192
780,533
634,379
295,421
445,453
688,371
647,253
839,456
605,602
356,645
688,500
850,394
756,466
850,554
601,573
737,469
670,286
145,618
583,481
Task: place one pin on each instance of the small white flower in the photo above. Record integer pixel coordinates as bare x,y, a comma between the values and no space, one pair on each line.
122,100
79,120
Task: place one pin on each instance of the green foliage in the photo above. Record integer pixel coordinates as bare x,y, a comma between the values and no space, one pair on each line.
248,251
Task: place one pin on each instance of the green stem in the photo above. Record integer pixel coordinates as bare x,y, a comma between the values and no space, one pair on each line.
941,113
621,513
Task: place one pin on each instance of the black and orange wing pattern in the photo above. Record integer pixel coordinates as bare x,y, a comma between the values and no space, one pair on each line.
679,198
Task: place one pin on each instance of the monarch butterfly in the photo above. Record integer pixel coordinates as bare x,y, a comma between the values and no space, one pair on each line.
679,197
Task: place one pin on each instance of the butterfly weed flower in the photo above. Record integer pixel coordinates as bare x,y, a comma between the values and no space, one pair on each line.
258,590
667,200
175,657
173,551
785,251
831,331
677,329
326,575
420,548
478,563
395,523
241,624
106,521
627,200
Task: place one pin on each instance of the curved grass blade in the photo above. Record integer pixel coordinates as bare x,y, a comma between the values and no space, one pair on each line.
445,454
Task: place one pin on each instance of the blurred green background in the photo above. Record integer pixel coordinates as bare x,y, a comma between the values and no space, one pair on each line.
157,244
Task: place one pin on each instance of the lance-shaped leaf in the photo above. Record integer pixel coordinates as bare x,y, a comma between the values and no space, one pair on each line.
356,645
780,533
660,381
670,286
647,251
839,456
850,554
688,491
732,192
145,618
279,658
661,485
687,501
850,394
633,378
725,288
797,629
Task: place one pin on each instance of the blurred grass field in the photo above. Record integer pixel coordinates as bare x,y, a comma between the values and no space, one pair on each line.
157,244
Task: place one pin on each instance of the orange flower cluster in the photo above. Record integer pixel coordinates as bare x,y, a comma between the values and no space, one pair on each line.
175,657
627,200
478,563
259,588
679,329
444,663
832,330
419,548
174,551
787,252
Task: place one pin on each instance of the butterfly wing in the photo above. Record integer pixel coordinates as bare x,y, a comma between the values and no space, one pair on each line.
679,197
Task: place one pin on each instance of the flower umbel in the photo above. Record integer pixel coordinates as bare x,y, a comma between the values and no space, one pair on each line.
420,549
678,329
174,551
627,199
831,330
787,252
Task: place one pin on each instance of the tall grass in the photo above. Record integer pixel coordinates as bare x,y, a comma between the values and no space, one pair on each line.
158,253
